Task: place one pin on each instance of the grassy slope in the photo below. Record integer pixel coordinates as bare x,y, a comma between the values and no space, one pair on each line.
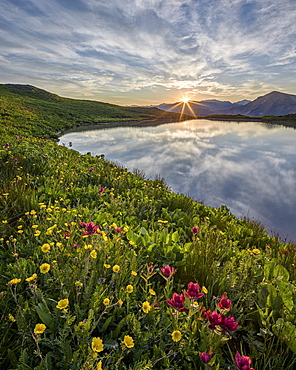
43,184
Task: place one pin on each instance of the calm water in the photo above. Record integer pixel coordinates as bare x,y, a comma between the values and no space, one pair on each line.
248,166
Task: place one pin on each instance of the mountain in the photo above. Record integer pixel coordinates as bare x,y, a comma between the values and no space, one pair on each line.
272,104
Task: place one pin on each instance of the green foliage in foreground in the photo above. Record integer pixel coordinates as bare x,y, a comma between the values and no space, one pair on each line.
74,296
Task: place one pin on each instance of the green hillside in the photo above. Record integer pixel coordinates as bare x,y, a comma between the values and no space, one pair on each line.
43,114
104,269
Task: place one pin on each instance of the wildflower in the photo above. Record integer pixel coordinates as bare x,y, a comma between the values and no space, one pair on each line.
284,252
15,159
101,280
39,329
118,229
205,357
90,228
11,318
152,292
99,365
225,304
194,230
37,233
106,302
176,336
242,362
93,254
256,251
102,190
78,283
220,321
128,341
134,273
97,344
146,307
177,302
120,302
45,248
167,271
44,268
14,281
193,292
129,288
63,303
31,278
91,169
116,268
107,266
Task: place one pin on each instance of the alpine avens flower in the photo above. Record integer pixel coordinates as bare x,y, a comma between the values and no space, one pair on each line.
62,304
39,328
146,307
116,268
129,288
106,302
14,281
45,248
44,268
32,278
97,344
176,336
128,341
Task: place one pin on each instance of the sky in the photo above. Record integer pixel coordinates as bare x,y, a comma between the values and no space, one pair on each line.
146,52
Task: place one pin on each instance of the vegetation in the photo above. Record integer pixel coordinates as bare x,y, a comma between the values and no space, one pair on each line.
103,269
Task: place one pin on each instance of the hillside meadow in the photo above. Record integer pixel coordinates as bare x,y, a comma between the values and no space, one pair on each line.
104,269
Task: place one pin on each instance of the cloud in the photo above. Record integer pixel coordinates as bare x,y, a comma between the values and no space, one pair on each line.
133,45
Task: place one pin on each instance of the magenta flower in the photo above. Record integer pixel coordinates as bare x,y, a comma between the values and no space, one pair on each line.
90,228
195,230
177,302
7,144
193,291
15,160
118,229
220,321
102,190
242,362
205,357
91,169
225,304
167,271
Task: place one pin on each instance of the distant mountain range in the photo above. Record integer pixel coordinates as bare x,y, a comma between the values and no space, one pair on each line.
272,104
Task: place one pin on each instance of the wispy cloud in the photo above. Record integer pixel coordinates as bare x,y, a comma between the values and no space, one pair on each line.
126,47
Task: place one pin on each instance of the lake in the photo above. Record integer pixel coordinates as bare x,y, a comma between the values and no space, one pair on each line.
248,166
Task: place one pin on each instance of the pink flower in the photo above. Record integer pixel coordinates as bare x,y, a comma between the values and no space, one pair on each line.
102,190
242,362
167,271
193,291
177,302
205,357
195,230
15,160
214,318
229,324
118,229
90,228
220,321
225,304
91,169
7,144
67,235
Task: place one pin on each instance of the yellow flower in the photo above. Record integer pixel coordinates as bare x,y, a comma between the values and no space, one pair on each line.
93,254
97,344
88,246
31,278
120,302
134,273
63,303
44,268
128,341
99,365
106,301
204,290
78,283
129,288
58,244
45,248
39,329
146,307
34,226
11,318
176,336
107,266
116,268
14,281
37,233
256,251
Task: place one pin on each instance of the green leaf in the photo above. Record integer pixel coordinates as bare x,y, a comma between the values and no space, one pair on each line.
45,316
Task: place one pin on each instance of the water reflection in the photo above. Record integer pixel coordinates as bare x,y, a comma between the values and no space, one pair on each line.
250,167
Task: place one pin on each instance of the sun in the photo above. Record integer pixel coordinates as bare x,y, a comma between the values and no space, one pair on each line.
185,100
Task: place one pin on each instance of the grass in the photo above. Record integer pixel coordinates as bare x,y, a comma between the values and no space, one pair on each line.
83,246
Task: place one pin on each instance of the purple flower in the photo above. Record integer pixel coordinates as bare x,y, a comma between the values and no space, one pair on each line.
91,169
7,144
195,230
167,271
205,357
177,302
193,291
242,362
225,304
90,228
